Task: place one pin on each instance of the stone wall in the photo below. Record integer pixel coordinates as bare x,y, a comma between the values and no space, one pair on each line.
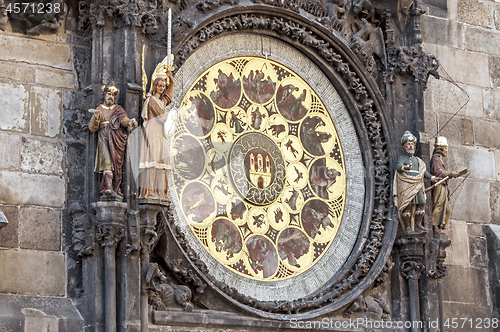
465,36
37,80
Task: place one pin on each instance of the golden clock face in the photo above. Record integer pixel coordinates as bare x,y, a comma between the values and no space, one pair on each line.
258,169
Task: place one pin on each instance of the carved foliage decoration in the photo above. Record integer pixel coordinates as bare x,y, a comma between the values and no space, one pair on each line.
83,230
33,17
148,14
372,121
413,61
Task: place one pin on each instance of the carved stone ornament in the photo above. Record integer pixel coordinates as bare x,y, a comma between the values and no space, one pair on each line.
373,307
163,294
412,61
148,14
437,247
372,120
83,230
33,17
208,5
110,222
109,234
412,270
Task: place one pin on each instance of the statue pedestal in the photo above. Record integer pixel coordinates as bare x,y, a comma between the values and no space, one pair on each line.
412,252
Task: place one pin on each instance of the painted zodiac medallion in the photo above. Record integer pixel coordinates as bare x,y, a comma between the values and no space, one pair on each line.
258,169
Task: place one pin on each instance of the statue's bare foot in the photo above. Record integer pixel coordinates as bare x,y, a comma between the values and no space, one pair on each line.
420,227
408,230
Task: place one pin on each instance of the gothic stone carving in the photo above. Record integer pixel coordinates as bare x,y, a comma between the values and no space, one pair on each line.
38,17
373,307
411,251
372,122
208,5
83,231
413,61
437,248
148,14
162,294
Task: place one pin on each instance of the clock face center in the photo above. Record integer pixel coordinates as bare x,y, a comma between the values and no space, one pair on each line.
256,168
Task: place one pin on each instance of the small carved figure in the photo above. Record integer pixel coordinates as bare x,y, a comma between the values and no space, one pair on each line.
113,126
154,159
440,193
163,294
409,195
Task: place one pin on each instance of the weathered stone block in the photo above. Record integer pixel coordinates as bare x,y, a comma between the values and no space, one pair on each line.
35,313
10,150
56,78
34,189
478,251
472,291
441,31
497,164
46,108
17,73
444,96
40,228
31,272
494,67
486,134
468,311
478,40
475,13
495,203
457,64
480,161
472,202
31,50
492,104
14,99
41,157
75,158
9,235
496,15
457,130
457,253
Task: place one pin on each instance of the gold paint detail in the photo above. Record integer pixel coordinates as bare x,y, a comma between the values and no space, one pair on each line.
258,169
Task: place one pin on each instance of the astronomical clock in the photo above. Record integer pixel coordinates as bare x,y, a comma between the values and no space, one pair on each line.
259,169
267,180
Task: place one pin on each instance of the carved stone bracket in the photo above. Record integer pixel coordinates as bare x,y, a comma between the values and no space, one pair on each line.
411,247
38,17
133,232
110,222
83,230
437,247
410,60
148,14
149,236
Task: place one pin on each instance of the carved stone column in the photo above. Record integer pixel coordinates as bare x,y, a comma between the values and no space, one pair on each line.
411,253
148,213
436,269
110,219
